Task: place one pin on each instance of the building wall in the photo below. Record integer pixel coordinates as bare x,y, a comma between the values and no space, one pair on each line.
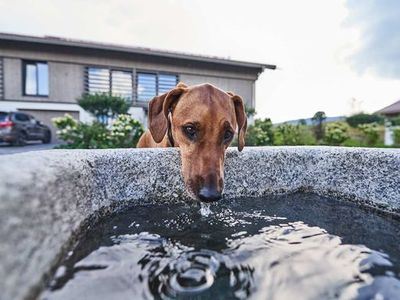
66,82
67,78
1,78
241,87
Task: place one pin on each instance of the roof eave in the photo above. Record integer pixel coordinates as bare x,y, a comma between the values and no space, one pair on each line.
132,50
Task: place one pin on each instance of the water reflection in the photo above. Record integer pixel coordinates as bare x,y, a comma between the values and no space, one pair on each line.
238,252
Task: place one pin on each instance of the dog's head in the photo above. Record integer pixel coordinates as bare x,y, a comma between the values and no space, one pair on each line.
201,120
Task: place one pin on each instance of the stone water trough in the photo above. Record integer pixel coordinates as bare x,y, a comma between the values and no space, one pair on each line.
48,197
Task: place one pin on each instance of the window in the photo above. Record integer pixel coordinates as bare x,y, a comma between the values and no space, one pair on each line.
114,82
3,116
121,84
150,85
36,79
146,86
21,117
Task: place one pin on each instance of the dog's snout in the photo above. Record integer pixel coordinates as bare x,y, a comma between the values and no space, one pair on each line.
209,195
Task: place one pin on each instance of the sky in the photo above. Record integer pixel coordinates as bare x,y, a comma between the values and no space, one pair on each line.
338,56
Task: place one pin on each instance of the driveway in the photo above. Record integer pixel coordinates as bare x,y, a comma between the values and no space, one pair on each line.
31,146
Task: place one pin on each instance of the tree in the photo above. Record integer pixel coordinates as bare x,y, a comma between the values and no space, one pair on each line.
250,112
318,119
104,106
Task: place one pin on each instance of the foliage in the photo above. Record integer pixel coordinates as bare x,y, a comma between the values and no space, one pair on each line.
302,122
318,119
123,133
250,111
259,134
352,143
395,121
336,133
363,118
103,106
288,134
396,136
371,132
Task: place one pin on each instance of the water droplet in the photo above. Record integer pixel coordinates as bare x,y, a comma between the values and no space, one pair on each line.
205,210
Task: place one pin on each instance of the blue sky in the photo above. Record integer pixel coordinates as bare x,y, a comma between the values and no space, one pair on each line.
334,55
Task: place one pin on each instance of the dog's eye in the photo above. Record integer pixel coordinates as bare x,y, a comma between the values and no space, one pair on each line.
228,135
190,132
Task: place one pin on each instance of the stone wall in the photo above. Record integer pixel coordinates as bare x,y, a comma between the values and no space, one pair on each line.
46,197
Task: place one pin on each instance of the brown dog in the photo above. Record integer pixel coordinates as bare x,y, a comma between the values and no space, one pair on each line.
201,120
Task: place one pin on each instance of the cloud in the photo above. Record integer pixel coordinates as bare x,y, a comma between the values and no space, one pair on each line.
378,22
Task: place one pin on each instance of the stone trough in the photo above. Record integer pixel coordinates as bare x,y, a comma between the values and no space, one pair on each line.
47,198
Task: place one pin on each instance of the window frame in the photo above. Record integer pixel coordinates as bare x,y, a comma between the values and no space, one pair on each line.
134,71
110,82
157,73
25,63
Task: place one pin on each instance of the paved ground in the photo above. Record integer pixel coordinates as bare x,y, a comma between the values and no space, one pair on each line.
31,146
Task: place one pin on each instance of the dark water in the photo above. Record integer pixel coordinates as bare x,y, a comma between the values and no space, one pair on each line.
299,246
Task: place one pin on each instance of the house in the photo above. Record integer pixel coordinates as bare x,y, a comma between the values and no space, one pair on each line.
391,111
44,76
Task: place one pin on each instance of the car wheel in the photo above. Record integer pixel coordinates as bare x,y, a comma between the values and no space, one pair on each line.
47,138
20,140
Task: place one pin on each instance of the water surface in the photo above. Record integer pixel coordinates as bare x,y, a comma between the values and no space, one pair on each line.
299,246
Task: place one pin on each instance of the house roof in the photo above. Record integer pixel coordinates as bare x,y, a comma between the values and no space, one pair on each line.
59,41
391,109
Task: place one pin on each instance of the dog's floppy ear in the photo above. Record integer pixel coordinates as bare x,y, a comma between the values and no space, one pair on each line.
159,108
241,118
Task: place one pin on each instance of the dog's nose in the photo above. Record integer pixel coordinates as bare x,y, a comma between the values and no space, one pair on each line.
209,195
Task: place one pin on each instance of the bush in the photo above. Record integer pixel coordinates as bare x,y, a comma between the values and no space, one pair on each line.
395,121
336,133
396,136
288,134
259,134
123,133
103,106
352,143
371,132
361,118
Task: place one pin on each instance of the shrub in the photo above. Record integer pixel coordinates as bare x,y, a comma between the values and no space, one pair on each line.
352,143
395,121
396,136
103,106
259,134
363,118
336,133
123,133
371,132
288,134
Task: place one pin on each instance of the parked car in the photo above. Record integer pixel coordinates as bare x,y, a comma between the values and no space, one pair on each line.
17,128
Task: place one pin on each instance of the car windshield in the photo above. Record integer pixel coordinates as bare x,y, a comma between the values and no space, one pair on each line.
3,116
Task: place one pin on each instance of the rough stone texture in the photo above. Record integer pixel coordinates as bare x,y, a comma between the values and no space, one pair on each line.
46,196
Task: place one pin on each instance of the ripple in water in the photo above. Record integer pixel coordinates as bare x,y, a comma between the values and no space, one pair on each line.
257,248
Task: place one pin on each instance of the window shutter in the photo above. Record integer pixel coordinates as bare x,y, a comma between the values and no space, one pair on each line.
166,82
122,84
97,80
